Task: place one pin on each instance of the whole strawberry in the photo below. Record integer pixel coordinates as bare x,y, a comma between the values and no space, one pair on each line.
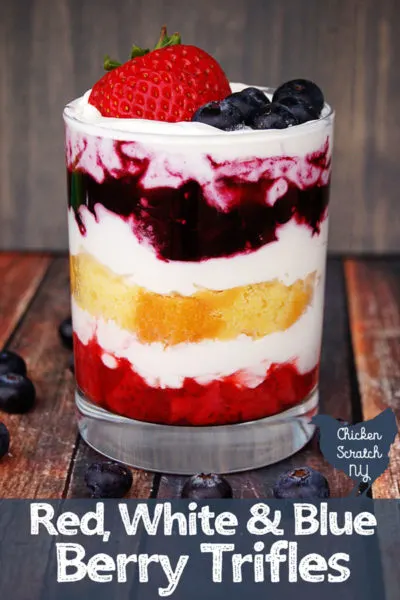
167,84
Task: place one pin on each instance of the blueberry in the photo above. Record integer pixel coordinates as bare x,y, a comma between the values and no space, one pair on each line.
11,363
108,480
302,483
250,102
17,393
306,90
299,108
222,115
206,487
65,332
4,440
275,116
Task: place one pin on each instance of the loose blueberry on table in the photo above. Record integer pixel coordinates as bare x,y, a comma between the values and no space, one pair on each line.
66,333
301,483
204,486
108,480
17,393
10,362
4,440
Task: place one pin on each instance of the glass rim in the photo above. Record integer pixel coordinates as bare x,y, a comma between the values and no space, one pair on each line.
104,130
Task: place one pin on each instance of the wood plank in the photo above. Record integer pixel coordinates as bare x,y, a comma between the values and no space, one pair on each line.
349,47
335,399
43,440
142,486
45,461
20,276
374,302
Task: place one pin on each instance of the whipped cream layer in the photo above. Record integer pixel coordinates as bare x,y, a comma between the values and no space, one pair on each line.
181,148
167,367
83,112
254,176
111,241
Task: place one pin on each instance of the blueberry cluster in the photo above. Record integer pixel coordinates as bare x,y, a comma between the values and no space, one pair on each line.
113,480
293,103
300,482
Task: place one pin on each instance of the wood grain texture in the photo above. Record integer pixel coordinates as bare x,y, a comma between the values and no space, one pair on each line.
335,399
52,51
42,441
20,276
49,460
142,480
374,300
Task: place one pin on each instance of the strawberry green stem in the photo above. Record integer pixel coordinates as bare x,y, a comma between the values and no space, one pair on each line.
164,41
137,51
110,64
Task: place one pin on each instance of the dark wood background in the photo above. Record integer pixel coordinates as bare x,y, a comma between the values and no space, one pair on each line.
52,50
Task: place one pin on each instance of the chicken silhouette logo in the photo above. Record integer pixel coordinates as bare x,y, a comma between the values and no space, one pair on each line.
360,450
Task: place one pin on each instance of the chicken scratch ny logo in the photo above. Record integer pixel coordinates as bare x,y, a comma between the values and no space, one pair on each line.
360,450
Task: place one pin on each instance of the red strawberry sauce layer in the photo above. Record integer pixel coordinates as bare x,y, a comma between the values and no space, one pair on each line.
237,211
222,402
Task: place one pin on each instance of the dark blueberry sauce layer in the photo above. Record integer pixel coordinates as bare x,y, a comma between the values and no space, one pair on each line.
185,223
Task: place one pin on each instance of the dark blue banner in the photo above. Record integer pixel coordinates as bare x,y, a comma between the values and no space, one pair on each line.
84,549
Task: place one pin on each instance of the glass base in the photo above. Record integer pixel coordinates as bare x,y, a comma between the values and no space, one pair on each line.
189,450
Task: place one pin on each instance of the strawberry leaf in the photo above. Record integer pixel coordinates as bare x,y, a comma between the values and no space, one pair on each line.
110,64
167,40
136,51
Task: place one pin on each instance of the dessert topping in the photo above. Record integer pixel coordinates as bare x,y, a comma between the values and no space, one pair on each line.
168,83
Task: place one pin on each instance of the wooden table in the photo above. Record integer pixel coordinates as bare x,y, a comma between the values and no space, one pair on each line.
360,376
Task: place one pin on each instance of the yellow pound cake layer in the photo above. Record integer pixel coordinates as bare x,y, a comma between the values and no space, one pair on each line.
254,310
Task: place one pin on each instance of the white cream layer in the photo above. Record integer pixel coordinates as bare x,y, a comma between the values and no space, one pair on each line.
84,112
176,152
110,240
166,367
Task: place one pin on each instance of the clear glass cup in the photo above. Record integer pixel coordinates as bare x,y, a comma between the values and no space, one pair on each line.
197,284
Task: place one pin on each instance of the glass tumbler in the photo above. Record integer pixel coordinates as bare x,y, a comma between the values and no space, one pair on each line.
197,261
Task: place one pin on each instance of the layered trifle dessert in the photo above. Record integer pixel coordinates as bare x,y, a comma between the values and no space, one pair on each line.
198,216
